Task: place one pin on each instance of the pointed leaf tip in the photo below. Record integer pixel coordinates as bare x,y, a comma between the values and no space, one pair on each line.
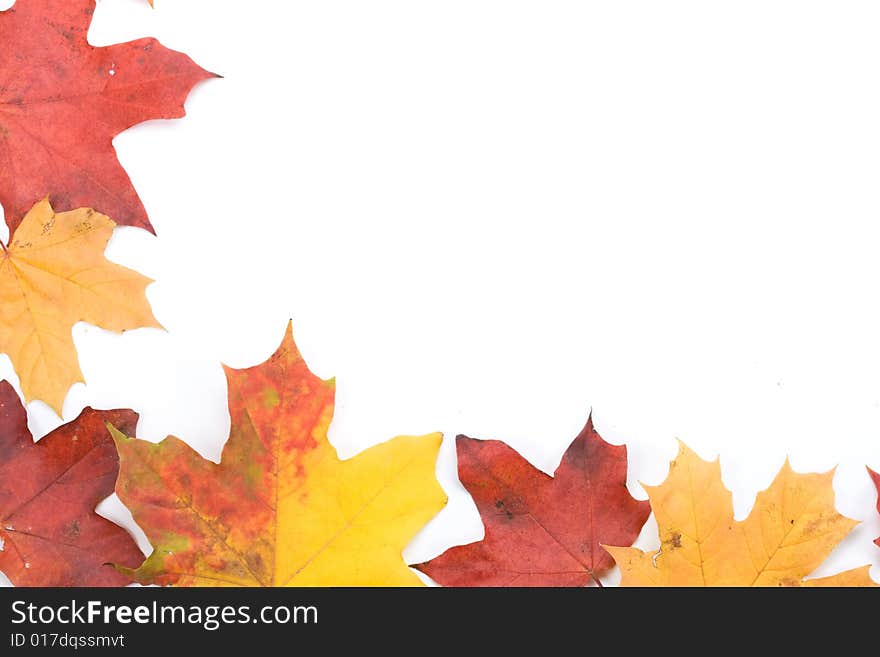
116,434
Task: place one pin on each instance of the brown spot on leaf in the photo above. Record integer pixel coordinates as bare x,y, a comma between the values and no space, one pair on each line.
674,541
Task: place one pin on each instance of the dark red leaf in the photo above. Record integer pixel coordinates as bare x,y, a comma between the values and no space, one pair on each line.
541,530
50,534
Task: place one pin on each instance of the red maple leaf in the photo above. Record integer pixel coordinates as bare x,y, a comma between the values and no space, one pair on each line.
50,534
876,477
542,530
62,101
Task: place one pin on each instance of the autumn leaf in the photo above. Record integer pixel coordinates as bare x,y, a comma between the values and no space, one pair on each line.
50,534
875,476
62,101
280,509
52,275
791,530
542,530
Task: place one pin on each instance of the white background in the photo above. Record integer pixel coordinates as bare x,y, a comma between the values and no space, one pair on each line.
488,217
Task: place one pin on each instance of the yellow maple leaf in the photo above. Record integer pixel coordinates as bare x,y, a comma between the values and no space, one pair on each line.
281,508
792,528
52,275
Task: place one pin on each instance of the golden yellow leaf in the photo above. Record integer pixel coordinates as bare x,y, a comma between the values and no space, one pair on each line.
281,508
52,275
792,528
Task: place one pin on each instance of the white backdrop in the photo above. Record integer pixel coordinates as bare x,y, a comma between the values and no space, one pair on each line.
489,216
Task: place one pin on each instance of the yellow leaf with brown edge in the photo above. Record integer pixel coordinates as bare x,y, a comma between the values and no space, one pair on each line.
281,508
54,274
792,529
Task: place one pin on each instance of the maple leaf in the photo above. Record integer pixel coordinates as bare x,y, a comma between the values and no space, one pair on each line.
792,528
52,275
280,509
50,534
875,476
62,101
542,530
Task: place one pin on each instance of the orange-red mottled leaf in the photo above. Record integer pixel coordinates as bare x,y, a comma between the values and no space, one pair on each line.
62,101
280,509
50,534
541,530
